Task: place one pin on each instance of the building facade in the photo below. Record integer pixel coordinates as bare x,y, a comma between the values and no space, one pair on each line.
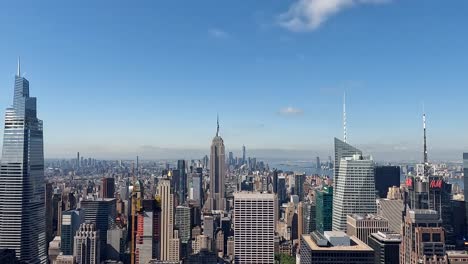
87,244
362,226
71,222
355,190
386,247
217,200
254,227
22,186
324,209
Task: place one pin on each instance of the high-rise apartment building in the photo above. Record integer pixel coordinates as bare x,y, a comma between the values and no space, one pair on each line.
87,244
71,222
254,227
167,217
217,199
22,186
182,186
362,226
355,190
324,208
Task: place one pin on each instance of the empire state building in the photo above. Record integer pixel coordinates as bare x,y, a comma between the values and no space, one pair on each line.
217,199
22,204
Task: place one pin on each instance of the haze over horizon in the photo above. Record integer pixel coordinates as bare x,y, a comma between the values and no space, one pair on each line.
152,83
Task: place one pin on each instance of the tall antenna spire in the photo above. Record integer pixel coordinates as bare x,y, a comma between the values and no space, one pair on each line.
18,72
426,164
217,123
344,118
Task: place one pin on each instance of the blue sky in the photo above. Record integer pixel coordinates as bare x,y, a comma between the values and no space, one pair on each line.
117,78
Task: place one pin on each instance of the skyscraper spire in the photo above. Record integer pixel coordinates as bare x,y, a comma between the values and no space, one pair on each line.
18,72
345,138
217,123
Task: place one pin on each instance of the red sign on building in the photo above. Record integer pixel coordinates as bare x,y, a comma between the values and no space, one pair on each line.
436,184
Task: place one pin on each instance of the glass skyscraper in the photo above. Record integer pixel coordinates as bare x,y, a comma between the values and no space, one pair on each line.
22,186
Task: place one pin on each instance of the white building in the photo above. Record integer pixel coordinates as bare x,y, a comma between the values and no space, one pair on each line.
254,227
355,190
86,249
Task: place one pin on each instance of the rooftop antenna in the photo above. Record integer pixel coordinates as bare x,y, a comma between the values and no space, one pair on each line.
344,118
217,122
18,73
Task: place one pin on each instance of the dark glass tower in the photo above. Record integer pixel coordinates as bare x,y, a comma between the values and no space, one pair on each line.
22,186
386,177
182,191
465,181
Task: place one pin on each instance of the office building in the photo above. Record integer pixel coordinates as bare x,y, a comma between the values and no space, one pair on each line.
182,223
87,244
197,188
361,226
392,210
324,208
275,181
355,190
217,199
71,222
146,240
116,243
49,208
423,238
299,180
457,257
101,212
108,187
386,247
317,163
334,247
167,221
342,150
254,227
308,217
22,186
386,177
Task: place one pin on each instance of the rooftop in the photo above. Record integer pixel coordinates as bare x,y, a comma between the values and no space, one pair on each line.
387,236
253,195
356,245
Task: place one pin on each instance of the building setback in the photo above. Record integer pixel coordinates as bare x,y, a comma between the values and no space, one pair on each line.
362,226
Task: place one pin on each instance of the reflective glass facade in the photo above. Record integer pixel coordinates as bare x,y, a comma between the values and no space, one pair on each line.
22,187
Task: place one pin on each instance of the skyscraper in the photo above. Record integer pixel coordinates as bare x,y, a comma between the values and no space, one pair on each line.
243,155
87,244
108,187
182,186
386,177
299,185
355,190
217,173
324,209
71,221
167,218
254,227
342,150
22,186
465,181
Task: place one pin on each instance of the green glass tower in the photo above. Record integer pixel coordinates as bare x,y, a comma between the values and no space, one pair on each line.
324,209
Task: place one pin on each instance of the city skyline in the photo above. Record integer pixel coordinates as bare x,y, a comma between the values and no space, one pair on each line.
138,80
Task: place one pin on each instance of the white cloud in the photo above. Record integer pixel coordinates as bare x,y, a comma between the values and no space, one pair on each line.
287,111
218,33
308,15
